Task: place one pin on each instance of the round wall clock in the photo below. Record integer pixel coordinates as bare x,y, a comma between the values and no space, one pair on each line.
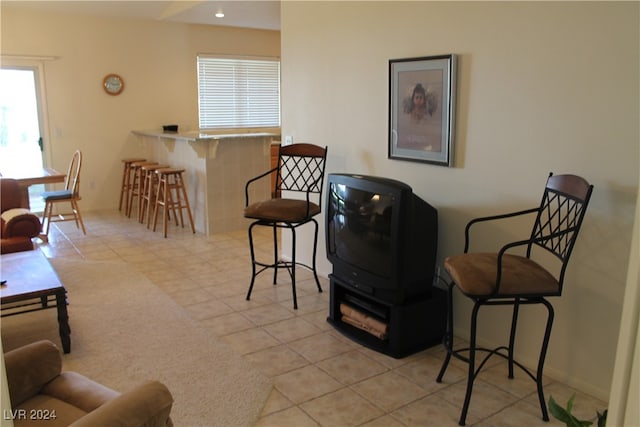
113,84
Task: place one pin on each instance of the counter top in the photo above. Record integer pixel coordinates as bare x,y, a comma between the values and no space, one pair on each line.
199,135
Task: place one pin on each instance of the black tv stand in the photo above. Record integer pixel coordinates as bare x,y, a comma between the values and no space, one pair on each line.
414,325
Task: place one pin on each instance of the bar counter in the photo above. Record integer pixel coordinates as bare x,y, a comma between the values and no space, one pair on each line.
217,166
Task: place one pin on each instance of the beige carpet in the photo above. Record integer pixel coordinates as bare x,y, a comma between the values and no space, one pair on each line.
125,330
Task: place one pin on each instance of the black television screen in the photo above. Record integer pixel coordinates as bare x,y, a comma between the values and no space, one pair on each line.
362,224
381,237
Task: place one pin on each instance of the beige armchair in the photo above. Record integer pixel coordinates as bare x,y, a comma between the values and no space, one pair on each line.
41,394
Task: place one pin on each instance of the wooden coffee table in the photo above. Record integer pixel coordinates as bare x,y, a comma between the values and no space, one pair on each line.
33,285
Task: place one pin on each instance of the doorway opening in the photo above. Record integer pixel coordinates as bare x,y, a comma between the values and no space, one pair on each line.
21,144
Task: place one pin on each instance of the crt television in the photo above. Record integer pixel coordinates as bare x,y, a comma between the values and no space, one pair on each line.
381,237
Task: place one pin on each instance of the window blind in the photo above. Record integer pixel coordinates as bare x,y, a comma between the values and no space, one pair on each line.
238,93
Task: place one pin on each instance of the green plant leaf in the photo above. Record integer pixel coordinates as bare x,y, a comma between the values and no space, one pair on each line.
558,411
565,415
570,403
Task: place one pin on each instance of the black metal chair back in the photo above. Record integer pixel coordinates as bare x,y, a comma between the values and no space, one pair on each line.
301,168
564,204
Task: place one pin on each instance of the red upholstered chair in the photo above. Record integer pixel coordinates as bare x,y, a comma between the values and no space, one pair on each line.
508,278
19,225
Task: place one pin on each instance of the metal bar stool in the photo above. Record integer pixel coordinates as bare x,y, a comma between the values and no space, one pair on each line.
126,181
149,186
300,168
171,194
135,189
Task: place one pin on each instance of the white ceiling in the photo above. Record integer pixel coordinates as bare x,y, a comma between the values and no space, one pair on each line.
261,14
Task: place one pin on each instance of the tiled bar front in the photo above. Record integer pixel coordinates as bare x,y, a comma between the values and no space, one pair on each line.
217,166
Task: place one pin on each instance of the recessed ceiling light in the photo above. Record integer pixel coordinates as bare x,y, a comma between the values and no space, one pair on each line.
219,14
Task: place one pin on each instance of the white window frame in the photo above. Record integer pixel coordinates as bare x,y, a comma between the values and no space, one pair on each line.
238,92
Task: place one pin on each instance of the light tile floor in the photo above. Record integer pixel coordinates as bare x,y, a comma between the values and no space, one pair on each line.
319,376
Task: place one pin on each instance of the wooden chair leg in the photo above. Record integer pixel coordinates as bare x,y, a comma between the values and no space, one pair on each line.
185,200
152,199
123,188
46,217
158,202
174,203
76,211
165,221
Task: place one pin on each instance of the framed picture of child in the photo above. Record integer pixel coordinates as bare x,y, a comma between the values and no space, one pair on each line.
422,109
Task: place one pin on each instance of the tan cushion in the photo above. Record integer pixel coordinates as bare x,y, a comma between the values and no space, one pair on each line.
147,405
29,368
79,391
285,210
475,275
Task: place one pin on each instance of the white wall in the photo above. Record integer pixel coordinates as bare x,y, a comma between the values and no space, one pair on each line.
541,87
625,387
157,61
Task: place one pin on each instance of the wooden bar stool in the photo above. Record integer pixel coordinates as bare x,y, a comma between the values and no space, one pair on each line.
135,190
126,181
149,186
171,194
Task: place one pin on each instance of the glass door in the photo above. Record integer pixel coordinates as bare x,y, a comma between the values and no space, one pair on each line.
21,142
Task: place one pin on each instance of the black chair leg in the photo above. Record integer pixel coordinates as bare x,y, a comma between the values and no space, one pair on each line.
471,376
293,268
512,335
275,253
543,355
313,261
290,267
448,335
253,261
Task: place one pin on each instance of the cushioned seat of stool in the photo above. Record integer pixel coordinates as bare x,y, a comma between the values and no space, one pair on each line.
284,210
57,195
475,275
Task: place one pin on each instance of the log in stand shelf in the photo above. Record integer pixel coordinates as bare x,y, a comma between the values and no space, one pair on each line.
413,326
